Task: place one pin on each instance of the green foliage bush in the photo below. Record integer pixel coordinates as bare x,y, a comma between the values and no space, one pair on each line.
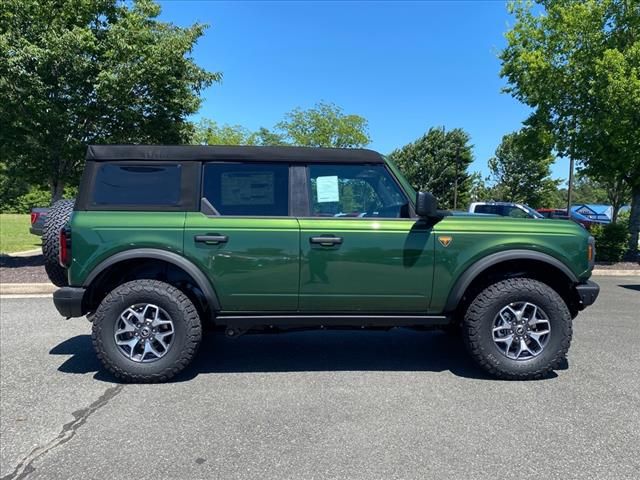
611,241
34,197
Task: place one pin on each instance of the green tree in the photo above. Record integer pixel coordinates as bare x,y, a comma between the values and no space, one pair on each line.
208,132
587,190
324,125
521,169
617,192
266,137
479,191
438,162
74,72
557,199
578,64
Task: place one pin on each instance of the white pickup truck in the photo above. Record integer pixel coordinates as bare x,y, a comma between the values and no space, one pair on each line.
504,209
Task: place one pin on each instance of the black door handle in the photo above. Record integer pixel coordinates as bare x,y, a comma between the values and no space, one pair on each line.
211,239
326,241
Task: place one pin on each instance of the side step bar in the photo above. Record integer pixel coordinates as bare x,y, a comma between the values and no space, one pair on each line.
320,320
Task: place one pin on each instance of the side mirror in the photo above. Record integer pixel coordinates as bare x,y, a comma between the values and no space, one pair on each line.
426,205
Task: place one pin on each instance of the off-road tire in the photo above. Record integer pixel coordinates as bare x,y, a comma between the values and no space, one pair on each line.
187,337
478,325
57,217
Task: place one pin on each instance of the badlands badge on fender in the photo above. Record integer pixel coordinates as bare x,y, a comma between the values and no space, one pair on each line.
445,240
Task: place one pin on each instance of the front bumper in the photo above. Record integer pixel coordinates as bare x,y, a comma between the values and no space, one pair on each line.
587,293
68,301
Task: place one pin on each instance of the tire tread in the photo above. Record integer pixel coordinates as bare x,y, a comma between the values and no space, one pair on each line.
57,218
190,318
478,309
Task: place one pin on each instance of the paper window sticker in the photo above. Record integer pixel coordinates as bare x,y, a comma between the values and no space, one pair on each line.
247,188
327,189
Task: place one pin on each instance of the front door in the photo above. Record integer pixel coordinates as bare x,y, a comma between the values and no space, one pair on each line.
360,251
244,238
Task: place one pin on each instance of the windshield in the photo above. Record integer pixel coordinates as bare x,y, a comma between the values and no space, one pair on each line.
406,186
532,212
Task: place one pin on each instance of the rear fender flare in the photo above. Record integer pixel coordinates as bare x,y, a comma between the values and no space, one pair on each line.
143,253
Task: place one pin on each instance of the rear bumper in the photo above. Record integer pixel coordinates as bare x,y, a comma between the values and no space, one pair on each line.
35,231
68,301
587,293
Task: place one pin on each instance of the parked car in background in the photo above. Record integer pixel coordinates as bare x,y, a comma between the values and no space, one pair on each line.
38,216
504,209
463,213
561,214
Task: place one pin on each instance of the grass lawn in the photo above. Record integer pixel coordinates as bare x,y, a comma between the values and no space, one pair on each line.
14,233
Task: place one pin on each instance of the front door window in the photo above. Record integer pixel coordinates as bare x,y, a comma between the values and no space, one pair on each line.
357,191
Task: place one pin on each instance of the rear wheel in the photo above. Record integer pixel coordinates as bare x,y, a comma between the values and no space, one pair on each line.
146,331
57,217
518,329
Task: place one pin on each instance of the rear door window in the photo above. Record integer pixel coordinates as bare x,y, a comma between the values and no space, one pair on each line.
246,189
488,209
152,185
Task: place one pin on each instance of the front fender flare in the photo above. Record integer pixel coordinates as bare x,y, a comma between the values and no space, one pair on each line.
477,268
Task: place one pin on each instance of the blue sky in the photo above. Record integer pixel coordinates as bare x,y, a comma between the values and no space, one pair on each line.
403,66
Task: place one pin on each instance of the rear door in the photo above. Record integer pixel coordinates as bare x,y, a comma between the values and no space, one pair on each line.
244,238
360,250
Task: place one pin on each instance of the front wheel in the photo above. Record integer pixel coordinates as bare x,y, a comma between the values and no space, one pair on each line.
518,329
146,331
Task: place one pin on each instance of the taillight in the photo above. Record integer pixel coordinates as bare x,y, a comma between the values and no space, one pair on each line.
65,247
34,217
591,252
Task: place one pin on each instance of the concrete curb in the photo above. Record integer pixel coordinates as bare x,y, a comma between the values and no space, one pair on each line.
26,253
26,288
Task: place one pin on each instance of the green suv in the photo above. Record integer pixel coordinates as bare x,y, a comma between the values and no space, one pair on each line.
165,239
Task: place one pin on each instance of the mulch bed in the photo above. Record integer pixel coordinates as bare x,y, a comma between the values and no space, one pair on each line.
22,269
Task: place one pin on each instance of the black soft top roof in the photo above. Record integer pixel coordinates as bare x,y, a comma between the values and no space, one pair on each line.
229,153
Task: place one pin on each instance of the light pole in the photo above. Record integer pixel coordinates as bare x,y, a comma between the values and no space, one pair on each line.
455,184
572,155
570,189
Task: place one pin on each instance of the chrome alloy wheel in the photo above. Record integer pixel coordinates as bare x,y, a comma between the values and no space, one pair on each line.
521,330
144,332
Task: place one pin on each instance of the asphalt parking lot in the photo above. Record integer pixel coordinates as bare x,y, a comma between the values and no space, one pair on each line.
326,405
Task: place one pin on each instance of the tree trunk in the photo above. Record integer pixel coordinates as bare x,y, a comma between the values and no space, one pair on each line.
616,196
57,189
616,204
634,223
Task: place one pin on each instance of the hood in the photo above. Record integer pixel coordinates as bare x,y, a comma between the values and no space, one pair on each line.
486,223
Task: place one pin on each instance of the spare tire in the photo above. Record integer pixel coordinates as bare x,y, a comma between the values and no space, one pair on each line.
57,217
